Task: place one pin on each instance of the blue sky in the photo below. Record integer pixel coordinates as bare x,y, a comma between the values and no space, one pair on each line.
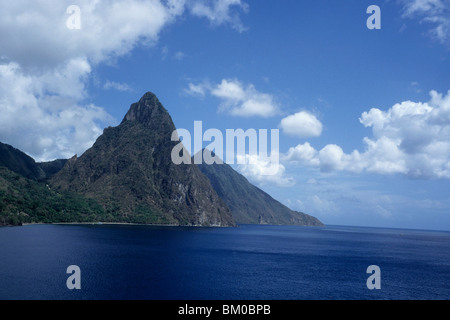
364,115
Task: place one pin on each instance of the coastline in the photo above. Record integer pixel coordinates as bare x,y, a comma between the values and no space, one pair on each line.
100,223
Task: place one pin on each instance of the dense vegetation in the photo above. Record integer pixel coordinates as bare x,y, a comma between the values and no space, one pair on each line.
24,200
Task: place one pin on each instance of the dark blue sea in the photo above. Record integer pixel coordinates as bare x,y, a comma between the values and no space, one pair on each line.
244,263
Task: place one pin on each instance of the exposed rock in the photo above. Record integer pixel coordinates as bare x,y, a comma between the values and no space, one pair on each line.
130,172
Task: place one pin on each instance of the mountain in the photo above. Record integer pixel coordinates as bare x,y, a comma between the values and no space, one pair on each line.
25,198
129,171
128,176
19,162
22,164
51,167
249,204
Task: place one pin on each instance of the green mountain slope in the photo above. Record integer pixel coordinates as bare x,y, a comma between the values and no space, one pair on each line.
24,200
21,163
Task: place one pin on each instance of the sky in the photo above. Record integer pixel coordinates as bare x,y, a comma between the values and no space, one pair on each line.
363,114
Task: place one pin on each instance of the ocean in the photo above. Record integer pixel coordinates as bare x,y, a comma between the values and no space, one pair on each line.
244,263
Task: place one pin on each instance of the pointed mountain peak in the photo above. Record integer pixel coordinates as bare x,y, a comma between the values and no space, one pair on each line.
130,172
147,110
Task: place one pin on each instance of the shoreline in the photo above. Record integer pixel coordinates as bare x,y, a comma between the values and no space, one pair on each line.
101,223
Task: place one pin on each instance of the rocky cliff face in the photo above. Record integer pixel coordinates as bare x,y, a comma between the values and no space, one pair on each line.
129,171
249,204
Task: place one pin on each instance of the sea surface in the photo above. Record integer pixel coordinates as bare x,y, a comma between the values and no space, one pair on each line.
244,263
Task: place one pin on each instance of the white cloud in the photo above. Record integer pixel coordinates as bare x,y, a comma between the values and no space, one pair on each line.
237,99
435,12
45,66
331,158
303,153
197,90
411,138
220,11
46,126
35,34
230,90
302,124
423,6
262,170
116,86
260,105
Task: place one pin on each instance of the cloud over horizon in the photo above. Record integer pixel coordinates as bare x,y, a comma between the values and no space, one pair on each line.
410,138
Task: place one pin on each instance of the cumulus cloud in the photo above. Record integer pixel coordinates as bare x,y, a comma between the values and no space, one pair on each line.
45,66
303,153
410,138
302,124
41,115
47,126
237,99
36,34
434,12
263,170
